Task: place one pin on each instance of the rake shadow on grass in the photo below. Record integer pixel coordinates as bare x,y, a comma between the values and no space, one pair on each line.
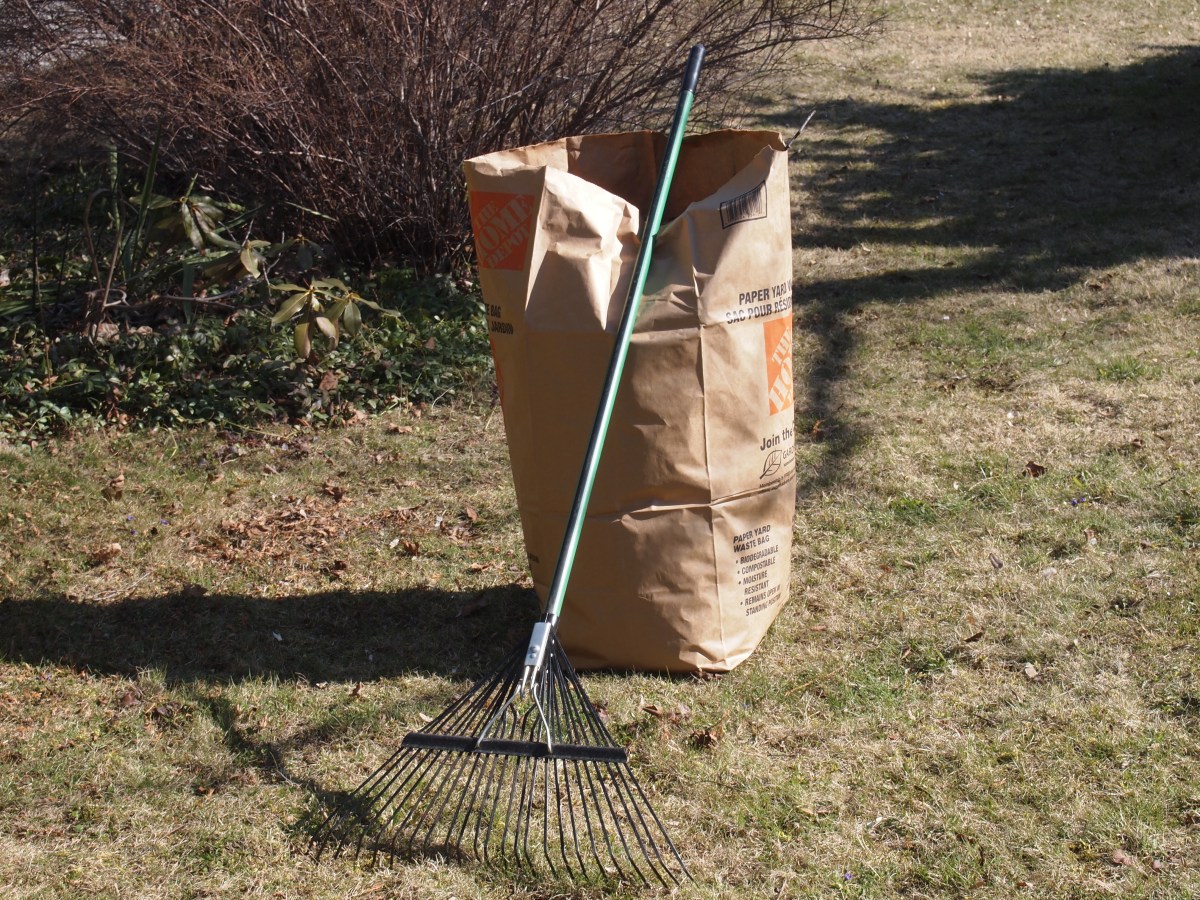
1053,173
212,639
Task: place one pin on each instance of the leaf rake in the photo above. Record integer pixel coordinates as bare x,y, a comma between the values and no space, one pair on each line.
520,771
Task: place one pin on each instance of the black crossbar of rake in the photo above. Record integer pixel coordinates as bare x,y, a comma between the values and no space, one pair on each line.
539,750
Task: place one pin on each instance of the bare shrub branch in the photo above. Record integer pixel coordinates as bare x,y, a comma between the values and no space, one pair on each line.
365,110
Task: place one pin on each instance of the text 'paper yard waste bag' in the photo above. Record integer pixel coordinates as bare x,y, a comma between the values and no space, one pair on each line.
684,560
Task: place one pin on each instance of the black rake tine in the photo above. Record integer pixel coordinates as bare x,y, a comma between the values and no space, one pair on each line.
353,801
487,765
463,806
439,796
552,704
606,840
587,819
556,768
495,784
530,788
431,788
510,841
616,820
582,769
384,798
632,785
632,810
500,776
571,804
352,809
512,817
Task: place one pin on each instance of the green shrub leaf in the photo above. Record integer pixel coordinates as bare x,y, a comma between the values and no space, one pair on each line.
352,319
302,340
290,307
328,329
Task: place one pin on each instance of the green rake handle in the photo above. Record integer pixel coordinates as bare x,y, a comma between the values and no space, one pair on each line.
612,380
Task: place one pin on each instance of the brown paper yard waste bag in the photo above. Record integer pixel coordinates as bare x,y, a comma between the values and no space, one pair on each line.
684,559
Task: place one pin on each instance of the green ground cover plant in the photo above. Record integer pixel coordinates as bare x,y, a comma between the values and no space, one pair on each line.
986,683
123,306
241,370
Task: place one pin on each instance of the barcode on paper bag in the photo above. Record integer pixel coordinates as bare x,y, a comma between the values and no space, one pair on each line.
744,207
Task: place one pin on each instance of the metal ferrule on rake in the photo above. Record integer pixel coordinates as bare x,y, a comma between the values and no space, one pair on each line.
521,768
535,656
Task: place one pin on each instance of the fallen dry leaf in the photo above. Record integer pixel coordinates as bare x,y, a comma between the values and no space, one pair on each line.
472,606
1122,858
708,737
115,487
403,513
106,553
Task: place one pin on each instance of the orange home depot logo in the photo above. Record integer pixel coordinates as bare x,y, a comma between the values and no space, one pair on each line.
777,337
503,224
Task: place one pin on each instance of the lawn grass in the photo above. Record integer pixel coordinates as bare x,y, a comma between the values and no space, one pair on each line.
987,681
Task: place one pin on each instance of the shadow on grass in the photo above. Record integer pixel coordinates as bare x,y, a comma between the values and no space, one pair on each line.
335,636
199,643
1053,174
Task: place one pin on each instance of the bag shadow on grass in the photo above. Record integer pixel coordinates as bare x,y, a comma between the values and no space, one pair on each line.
1033,184
199,643
334,636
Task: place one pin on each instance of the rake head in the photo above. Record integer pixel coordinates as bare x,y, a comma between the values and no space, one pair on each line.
519,772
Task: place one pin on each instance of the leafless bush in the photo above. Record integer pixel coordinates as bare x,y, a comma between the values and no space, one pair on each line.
364,110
